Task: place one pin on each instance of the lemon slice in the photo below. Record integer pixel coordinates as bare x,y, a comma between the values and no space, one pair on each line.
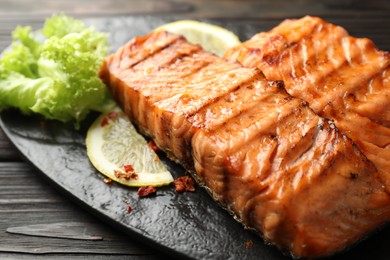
116,150
211,37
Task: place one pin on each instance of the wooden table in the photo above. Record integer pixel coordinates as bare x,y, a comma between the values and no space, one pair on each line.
26,198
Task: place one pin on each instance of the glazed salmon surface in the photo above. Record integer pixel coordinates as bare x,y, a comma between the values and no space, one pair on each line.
342,78
263,155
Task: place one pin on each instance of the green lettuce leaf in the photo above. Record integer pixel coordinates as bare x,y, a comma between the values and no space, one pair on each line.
57,78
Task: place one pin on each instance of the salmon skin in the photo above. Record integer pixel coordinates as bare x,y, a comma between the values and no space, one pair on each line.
343,78
265,156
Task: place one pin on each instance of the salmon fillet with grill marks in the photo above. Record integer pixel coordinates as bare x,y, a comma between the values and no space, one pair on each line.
264,156
342,78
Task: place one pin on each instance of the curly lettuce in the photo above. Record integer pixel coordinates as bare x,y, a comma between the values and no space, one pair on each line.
58,77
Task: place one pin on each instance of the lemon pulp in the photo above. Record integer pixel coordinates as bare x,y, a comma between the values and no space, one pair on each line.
114,146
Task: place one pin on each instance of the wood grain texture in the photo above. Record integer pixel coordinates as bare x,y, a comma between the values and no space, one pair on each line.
7,150
199,8
26,199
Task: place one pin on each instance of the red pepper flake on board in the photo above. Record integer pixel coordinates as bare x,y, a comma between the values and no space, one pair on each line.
153,146
129,209
104,122
184,183
146,191
107,180
249,244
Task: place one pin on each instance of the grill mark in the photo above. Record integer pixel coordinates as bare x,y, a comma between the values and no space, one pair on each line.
360,128
238,162
314,39
372,103
305,153
288,146
319,65
166,56
191,78
150,93
260,124
224,182
172,81
358,102
157,88
339,83
131,51
279,181
225,108
299,141
205,93
162,58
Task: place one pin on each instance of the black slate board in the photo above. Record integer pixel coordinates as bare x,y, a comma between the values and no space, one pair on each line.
189,225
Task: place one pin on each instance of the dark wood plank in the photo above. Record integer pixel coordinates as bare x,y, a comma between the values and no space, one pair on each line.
374,27
7,150
199,8
26,199
56,256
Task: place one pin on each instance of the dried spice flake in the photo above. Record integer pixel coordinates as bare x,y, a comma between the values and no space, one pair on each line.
249,244
184,183
128,168
146,191
119,174
104,122
129,209
126,175
107,180
153,146
134,176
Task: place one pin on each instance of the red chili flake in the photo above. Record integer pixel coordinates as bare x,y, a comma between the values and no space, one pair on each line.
129,209
153,146
104,122
129,174
112,115
146,191
120,174
184,183
128,168
107,180
249,244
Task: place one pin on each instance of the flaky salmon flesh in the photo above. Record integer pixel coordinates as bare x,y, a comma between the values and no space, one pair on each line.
265,156
343,78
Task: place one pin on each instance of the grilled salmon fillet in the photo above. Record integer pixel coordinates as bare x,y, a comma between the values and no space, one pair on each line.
265,156
342,78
